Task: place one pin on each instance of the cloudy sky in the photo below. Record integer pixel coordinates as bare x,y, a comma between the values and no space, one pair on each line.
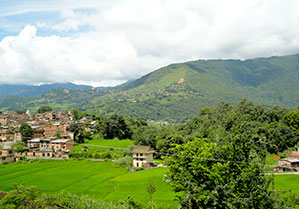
102,43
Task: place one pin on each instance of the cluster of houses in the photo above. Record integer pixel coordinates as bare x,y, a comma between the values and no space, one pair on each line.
51,135
291,163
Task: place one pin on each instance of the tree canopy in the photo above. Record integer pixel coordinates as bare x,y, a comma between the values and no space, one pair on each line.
26,132
206,175
44,108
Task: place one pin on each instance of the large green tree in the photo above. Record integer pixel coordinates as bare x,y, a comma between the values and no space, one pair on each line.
26,132
44,108
115,127
206,175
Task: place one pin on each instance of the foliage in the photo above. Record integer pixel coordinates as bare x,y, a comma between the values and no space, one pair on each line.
29,197
151,189
79,133
115,127
93,155
292,120
44,109
202,181
21,111
20,197
124,162
262,127
26,132
57,135
18,147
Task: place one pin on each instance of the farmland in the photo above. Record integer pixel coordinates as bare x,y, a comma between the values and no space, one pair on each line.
96,179
98,143
287,182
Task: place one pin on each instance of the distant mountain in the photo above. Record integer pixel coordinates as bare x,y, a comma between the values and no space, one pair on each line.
31,90
176,92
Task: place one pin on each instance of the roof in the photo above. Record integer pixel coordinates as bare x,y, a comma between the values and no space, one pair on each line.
292,160
142,149
34,140
60,141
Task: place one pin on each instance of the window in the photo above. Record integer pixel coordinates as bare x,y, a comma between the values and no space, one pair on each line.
141,155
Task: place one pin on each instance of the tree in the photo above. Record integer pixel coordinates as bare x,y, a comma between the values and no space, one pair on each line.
75,113
21,111
206,175
20,197
115,127
151,189
292,120
44,108
26,132
57,135
18,147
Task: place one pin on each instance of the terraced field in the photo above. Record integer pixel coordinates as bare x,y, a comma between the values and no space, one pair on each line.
98,143
96,179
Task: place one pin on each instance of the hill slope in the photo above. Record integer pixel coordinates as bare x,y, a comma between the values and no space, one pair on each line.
30,90
176,92
179,90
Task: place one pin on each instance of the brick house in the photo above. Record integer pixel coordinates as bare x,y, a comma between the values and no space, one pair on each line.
6,156
62,145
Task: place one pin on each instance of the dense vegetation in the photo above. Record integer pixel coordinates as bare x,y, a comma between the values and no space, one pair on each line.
264,129
175,93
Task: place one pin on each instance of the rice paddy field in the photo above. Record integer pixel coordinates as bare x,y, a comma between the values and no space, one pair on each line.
287,182
96,179
102,180
98,143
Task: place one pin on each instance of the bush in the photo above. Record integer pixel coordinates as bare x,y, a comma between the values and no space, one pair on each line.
124,162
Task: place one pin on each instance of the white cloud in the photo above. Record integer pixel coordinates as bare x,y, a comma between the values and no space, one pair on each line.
127,39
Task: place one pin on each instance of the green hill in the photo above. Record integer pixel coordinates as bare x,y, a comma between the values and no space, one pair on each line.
176,92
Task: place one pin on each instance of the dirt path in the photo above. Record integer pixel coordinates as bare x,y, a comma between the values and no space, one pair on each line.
285,173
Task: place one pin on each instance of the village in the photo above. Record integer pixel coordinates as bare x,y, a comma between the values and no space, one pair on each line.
52,138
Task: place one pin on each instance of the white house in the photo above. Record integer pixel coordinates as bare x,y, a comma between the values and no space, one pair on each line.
143,156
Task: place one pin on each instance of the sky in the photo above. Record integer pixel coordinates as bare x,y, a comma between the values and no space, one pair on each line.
105,43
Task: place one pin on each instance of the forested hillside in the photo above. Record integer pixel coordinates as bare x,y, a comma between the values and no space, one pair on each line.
175,93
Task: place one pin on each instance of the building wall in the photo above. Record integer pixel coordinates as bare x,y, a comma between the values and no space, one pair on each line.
70,146
6,159
140,159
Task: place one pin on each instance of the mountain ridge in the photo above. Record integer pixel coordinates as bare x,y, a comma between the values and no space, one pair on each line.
176,92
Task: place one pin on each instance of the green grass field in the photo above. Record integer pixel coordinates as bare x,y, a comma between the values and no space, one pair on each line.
287,182
96,179
98,143
102,180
